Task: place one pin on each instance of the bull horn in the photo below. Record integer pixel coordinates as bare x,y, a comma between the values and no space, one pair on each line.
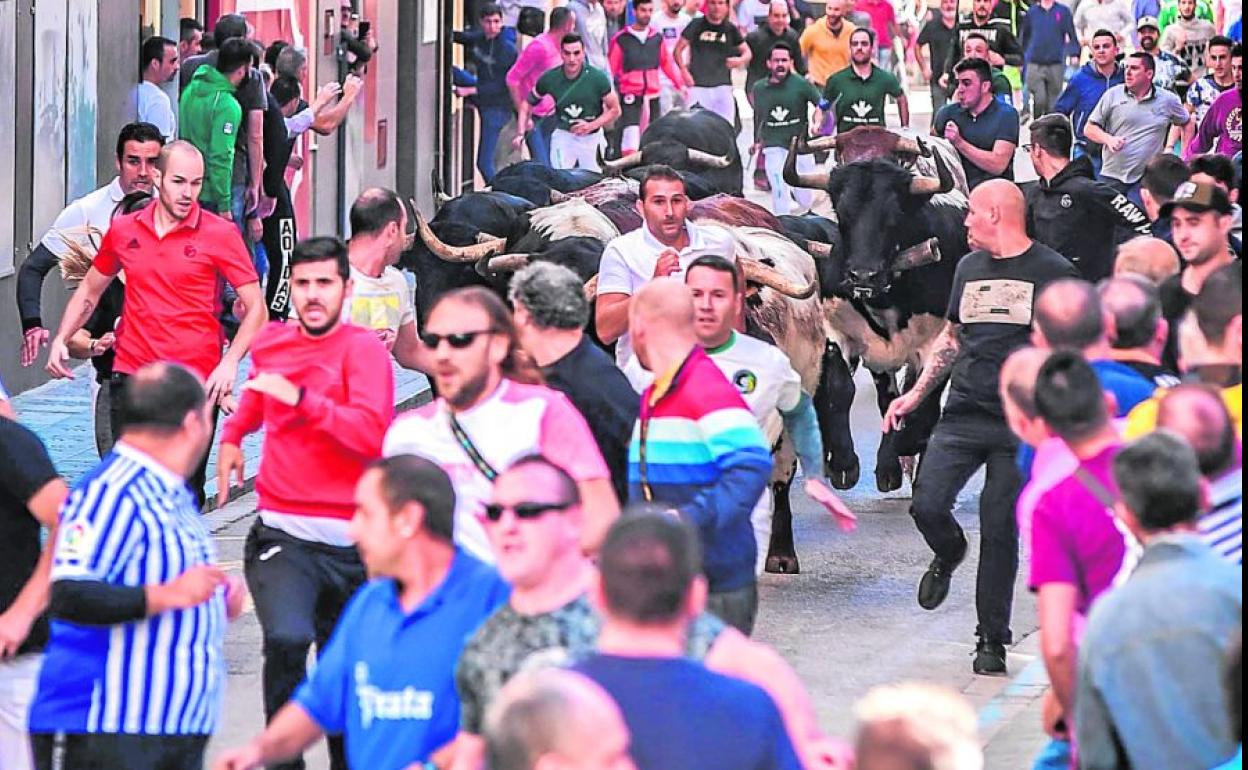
484,237
440,199
504,263
623,164
925,253
559,197
925,185
708,159
456,253
819,249
591,288
907,146
817,180
821,143
765,275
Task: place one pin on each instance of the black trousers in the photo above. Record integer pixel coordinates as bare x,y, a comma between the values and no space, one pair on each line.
738,608
84,751
299,588
279,241
958,448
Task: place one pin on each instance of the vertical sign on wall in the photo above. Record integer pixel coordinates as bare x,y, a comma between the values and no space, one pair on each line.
48,189
8,134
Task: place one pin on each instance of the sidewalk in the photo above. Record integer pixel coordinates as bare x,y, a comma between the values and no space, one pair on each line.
60,413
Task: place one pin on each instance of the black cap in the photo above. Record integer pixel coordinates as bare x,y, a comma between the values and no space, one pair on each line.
1198,196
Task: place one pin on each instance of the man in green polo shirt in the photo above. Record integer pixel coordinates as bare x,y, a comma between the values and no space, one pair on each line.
584,105
781,103
855,96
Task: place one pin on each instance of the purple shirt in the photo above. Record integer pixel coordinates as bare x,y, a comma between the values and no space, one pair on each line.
1223,126
539,57
1074,538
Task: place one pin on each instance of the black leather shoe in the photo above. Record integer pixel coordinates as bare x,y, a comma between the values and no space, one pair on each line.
989,659
934,587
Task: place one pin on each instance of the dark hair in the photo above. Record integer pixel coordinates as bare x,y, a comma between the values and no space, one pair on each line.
187,27
1069,397
273,51
642,2
870,33
515,366
322,248
285,89
1145,59
1220,167
153,49
559,16
975,36
1163,175
231,25
782,45
981,68
1072,321
158,397
1102,32
1220,300
489,9
1197,412
410,479
718,264
138,132
131,202
1135,317
1237,51
235,54
568,490
374,209
1053,134
1221,41
1159,479
659,172
647,563
1234,683
571,39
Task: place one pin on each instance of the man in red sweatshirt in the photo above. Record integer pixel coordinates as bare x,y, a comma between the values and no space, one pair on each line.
323,390
636,55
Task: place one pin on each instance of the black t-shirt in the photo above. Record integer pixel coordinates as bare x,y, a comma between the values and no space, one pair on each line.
24,470
1175,301
601,393
993,302
277,149
940,40
104,320
710,45
250,96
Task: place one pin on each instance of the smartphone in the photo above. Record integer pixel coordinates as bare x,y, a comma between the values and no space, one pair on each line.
365,26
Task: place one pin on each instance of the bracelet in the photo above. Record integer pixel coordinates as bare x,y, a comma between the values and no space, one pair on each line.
91,347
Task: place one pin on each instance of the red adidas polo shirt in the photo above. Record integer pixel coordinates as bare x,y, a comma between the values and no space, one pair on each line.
173,287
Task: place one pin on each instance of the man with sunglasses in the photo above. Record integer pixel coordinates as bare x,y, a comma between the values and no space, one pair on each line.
323,390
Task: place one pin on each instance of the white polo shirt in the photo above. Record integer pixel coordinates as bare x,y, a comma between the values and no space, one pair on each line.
94,209
628,264
152,105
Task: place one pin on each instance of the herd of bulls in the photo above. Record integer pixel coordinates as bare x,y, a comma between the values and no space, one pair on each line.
869,287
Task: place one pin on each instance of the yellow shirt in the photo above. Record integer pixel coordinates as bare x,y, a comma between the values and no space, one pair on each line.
1143,418
826,54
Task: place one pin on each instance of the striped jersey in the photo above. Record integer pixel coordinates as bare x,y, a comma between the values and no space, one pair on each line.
1223,526
133,522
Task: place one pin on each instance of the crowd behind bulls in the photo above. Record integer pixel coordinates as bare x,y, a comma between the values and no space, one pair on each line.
555,562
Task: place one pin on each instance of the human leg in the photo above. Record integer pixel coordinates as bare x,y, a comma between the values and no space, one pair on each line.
781,195
342,574
19,678
103,418
738,608
492,121
562,149
998,545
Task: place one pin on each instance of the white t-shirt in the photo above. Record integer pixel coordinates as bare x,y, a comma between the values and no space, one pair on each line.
515,421
670,29
384,302
628,264
153,106
95,209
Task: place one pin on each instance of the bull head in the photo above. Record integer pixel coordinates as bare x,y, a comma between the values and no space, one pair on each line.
766,275
815,180
695,157
456,253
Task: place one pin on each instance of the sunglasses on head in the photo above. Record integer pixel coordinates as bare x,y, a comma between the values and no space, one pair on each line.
524,511
457,340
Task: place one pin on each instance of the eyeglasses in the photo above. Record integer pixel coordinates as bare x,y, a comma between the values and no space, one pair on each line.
457,340
524,511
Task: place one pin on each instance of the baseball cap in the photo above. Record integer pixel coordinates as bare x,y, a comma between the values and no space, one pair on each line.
1198,196
1148,21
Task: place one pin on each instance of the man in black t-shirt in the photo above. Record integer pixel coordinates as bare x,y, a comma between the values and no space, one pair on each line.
990,316
940,35
714,46
31,493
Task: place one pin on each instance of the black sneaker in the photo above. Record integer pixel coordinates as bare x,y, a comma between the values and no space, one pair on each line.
989,659
934,586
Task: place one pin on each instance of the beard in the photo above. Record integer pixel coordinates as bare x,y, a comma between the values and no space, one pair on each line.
471,390
323,329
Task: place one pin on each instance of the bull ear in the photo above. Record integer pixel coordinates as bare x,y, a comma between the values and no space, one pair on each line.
817,180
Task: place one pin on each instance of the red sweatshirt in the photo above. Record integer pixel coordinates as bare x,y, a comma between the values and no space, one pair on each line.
315,452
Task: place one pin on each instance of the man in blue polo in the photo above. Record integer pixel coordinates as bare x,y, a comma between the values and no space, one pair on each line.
386,680
982,128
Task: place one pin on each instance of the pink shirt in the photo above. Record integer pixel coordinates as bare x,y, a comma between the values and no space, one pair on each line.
882,17
541,56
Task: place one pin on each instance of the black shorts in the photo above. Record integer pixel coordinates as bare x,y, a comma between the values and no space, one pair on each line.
109,751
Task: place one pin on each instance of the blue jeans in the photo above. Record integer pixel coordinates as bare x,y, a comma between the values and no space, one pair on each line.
492,121
538,139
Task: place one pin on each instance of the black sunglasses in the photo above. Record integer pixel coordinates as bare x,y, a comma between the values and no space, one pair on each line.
457,340
524,511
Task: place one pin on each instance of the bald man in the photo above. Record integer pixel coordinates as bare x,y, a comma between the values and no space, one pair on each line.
697,448
990,316
554,718
1137,332
1152,258
1196,412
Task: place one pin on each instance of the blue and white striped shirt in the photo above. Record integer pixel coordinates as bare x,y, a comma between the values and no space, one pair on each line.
133,522
1223,526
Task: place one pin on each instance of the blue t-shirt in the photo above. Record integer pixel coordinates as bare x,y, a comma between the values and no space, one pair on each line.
387,678
998,121
682,715
1129,387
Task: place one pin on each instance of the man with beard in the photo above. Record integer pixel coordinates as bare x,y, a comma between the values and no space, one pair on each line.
709,49
1172,73
323,390
856,94
781,104
825,47
669,21
1004,45
1188,36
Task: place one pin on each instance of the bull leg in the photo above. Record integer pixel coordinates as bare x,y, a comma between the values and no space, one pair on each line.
781,551
833,399
888,476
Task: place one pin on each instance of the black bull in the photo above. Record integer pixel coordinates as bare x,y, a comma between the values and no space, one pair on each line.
696,141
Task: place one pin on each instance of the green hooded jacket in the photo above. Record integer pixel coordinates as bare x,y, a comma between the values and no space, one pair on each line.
209,118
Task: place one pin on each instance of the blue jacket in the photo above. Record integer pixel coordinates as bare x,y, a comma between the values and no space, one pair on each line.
1082,93
1047,36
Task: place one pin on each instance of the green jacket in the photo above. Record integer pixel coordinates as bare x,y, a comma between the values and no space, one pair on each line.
209,118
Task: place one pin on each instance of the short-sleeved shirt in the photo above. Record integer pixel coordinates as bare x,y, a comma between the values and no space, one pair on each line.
1074,537
386,679
670,28
1203,93
781,109
710,45
1143,123
152,105
25,469
883,19
858,101
384,302
173,287
997,121
511,642
993,301
93,210
826,52
940,40
1129,387
514,421
576,100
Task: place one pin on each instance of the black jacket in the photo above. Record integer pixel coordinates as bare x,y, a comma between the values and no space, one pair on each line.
1082,219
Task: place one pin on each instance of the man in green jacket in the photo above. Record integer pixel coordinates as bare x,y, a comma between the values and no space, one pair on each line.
210,119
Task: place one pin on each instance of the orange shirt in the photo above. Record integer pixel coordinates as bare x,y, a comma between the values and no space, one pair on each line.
826,54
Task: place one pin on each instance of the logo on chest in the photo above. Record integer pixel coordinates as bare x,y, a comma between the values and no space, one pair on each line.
745,381
408,704
189,251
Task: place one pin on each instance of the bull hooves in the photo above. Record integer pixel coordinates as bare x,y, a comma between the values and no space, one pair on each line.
783,565
888,480
844,478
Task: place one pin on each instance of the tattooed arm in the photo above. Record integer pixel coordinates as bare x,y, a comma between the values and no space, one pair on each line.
944,354
81,305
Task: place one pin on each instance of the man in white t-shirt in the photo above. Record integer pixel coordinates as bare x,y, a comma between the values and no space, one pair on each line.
664,245
669,20
159,64
381,298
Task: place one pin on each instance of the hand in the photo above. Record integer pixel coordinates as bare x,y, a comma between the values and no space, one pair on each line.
230,462
996,59
235,596
103,344
667,264
228,405
1116,143
266,208
295,163
1054,718
952,132
582,128
387,337
828,753
927,73
32,342
276,386
221,382
464,92
352,86
58,360
190,589
14,628
227,215
821,493
243,758
689,80
251,199
326,95
756,148
903,405
734,61
944,81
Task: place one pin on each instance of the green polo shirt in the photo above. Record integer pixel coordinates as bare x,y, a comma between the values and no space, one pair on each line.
781,109
576,100
857,101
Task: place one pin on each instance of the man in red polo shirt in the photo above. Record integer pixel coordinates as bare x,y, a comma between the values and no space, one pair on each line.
175,257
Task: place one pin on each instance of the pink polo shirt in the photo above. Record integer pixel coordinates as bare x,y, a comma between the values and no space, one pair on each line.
538,58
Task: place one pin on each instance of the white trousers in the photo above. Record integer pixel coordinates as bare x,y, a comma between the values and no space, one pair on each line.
18,679
781,194
718,99
567,150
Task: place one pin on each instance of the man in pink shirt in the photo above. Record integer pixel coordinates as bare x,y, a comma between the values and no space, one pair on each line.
884,22
539,57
